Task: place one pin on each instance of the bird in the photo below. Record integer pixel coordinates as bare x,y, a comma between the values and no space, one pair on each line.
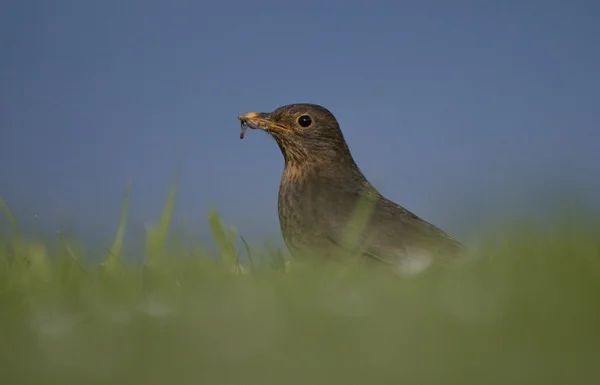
322,189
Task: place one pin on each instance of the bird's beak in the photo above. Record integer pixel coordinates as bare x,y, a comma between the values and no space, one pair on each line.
260,120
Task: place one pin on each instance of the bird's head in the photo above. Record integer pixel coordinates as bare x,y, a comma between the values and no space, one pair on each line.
305,133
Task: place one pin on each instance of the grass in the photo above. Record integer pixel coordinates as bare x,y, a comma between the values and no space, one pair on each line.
525,311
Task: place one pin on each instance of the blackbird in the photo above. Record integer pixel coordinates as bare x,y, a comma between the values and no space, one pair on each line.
321,189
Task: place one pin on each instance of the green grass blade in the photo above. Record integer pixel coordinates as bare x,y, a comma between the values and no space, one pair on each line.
353,238
156,235
14,225
114,253
225,238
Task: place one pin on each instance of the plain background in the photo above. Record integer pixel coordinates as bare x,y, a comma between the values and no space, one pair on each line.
457,110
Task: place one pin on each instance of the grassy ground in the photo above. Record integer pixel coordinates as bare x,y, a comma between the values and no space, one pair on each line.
526,311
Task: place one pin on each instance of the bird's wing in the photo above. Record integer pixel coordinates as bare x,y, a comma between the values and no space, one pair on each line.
396,237
405,261
411,243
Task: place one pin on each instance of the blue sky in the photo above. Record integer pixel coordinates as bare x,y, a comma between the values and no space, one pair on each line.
454,109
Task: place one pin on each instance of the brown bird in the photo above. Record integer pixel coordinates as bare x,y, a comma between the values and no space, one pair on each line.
321,187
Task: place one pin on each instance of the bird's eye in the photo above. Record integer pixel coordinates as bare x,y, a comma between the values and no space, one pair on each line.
304,121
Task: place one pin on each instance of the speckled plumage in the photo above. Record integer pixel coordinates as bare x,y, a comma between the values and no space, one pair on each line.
321,186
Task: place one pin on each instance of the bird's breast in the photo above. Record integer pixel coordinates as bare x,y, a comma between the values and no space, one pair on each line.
305,216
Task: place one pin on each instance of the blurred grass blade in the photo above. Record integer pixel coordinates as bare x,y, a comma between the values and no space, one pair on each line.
249,252
38,264
74,260
225,238
4,259
156,235
14,225
353,239
114,254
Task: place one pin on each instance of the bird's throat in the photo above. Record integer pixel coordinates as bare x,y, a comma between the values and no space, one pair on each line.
319,172
295,173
